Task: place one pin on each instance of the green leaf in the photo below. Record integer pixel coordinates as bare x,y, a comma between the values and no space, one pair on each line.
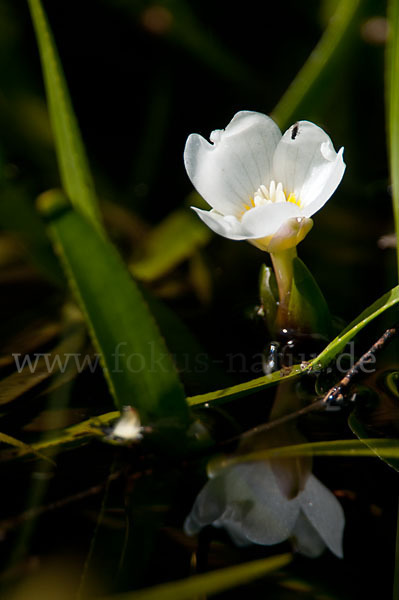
73,164
386,301
386,448
392,80
209,583
174,240
39,367
244,389
330,45
23,448
80,434
135,360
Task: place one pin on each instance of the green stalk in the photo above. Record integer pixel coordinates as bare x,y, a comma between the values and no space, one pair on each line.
284,271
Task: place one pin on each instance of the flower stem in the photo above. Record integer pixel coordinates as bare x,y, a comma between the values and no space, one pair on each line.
283,268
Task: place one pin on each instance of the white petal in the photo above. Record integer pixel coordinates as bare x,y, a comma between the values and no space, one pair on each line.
306,539
325,514
308,166
209,505
228,227
237,536
290,234
256,508
267,219
228,172
318,197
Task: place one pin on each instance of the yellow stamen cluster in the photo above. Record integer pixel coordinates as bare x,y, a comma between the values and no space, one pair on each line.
274,193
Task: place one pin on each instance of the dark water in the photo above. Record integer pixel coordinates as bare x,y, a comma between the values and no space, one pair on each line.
117,513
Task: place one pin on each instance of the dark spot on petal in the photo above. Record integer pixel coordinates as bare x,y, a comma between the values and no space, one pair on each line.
294,131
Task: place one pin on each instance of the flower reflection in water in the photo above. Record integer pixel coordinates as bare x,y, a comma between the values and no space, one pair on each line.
247,501
269,501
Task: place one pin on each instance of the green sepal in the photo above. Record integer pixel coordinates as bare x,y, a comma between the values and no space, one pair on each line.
308,308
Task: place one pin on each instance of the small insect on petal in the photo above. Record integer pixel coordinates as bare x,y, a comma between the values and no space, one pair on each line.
294,131
256,180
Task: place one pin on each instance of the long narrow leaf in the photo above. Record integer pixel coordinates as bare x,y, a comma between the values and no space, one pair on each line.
386,301
23,448
79,434
384,448
73,164
135,360
209,583
330,43
33,370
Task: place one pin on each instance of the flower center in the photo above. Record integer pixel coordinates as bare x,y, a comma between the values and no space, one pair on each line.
274,193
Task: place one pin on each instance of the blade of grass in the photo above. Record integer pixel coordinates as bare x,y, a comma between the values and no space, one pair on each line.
76,434
22,447
386,301
42,367
136,363
332,40
243,389
209,583
40,478
355,448
72,160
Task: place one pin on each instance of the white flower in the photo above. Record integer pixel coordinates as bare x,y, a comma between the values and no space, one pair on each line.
263,187
247,501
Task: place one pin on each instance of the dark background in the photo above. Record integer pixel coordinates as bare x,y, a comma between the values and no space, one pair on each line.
142,77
